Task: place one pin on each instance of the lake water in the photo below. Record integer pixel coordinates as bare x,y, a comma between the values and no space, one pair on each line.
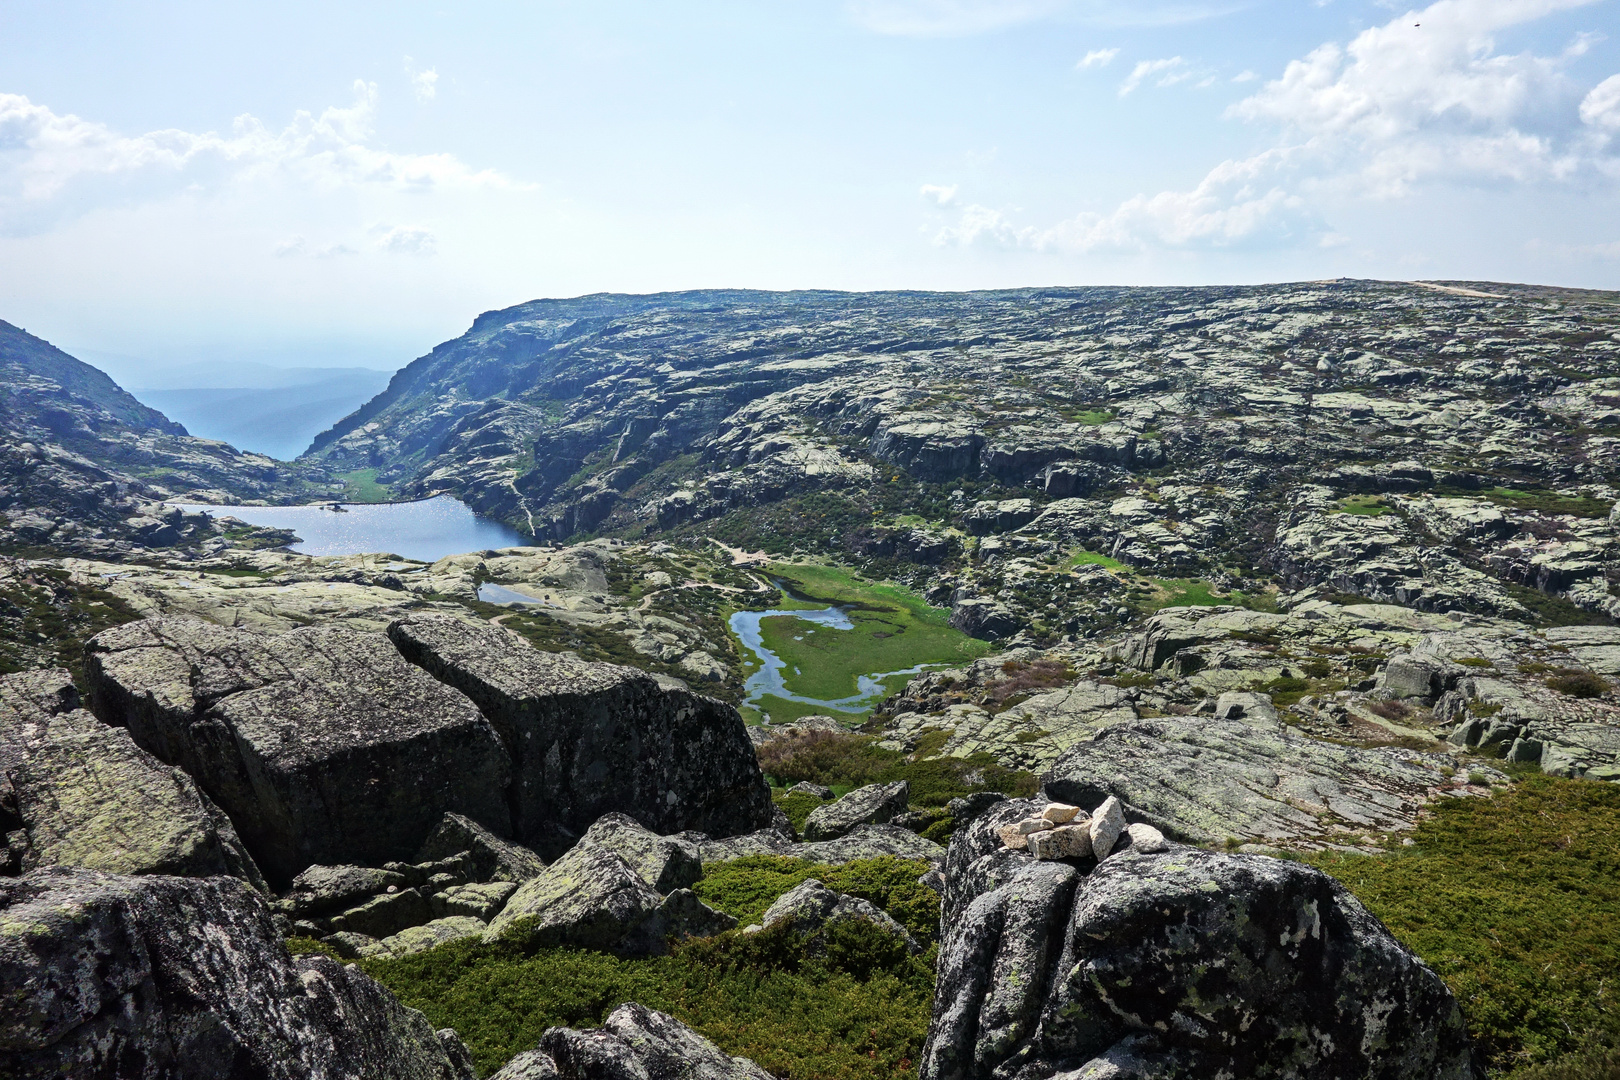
869,689
428,529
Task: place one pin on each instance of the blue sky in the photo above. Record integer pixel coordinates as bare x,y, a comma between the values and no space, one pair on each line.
348,184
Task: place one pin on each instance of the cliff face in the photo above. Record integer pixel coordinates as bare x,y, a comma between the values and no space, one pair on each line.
84,467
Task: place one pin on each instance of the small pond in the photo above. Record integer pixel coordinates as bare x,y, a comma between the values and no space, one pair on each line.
427,530
769,679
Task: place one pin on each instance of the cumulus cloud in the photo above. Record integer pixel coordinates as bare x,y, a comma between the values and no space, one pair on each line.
1098,58
1601,108
405,240
56,166
425,84
939,194
1426,99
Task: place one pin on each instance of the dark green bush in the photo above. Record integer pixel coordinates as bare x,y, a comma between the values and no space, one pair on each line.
744,888
1577,682
858,1011
1515,901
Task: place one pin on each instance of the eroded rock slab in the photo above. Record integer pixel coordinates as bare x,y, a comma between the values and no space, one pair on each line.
323,745
589,739
1205,780
156,976
83,794
874,804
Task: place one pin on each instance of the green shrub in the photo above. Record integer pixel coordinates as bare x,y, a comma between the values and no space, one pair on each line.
744,888
796,807
1577,682
857,1010
835,759
1515,901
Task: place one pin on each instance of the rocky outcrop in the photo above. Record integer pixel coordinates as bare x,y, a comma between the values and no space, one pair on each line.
1175,965
810,908
75,792
493,859
874,804
592,898
633,1043
666,863
323,745
1207,780
591,739
154,976
861,842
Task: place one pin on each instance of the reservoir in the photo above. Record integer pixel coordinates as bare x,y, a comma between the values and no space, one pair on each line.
427,530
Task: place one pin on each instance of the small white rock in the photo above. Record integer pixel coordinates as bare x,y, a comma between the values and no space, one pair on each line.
1107,822
1033,825
1011,837
1146,839
1064,842
1060,813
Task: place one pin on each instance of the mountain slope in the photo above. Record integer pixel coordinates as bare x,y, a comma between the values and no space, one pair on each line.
85,467
1223,434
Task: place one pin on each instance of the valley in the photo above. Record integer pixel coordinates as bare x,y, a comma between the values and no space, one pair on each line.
782,674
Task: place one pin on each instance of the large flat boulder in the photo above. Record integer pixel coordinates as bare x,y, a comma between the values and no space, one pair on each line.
323,745
153,976
589,739
1206,780
1177,965
79,793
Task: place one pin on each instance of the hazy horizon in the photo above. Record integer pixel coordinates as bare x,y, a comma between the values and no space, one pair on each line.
312,188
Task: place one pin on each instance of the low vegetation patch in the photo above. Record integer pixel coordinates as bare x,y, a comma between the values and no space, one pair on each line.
1547,502
1578,682
846,761
856,1009
1515,901
1364,506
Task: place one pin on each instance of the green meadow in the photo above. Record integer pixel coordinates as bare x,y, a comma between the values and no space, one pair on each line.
894,629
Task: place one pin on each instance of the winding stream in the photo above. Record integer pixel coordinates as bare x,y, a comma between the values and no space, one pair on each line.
769,678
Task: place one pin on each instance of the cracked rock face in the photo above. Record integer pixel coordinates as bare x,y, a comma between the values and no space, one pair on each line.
323,745
326,745
1181,964
153,976
80,793
591,739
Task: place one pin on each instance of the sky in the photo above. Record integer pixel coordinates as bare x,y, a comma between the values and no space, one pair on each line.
348,184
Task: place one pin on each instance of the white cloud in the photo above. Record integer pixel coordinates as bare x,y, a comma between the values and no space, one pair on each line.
426,84
1170,70
405,240
940,194
1601,108
1098,58
54,167
1426,99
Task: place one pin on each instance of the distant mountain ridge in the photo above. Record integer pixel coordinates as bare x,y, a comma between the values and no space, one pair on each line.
85,467
25,360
